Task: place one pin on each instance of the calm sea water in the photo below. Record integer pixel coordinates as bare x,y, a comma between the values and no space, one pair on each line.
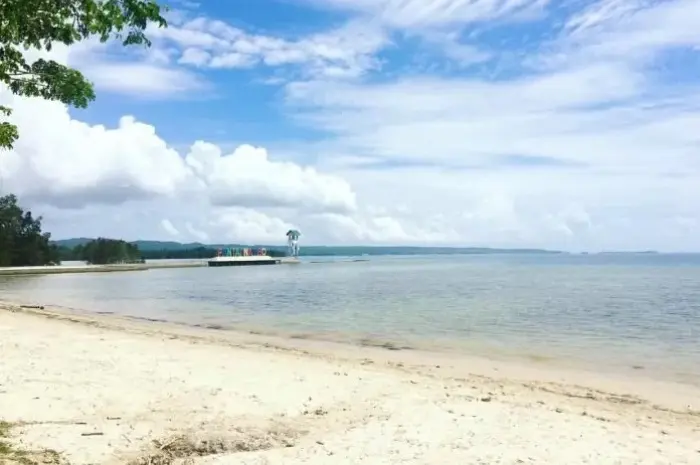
616,311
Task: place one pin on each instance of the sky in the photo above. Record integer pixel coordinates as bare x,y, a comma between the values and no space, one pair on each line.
570,125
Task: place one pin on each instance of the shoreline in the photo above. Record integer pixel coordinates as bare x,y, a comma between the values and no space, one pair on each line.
541,358
163,379
453,361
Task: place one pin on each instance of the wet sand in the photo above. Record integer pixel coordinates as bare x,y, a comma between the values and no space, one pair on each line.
108,390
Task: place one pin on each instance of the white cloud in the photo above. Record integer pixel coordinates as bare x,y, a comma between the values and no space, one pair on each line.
169,228
128,178
194,56
161,71
422,13
196,233
73,164
463,122
141,79
343,52
633,31
249,226
146,73
248,178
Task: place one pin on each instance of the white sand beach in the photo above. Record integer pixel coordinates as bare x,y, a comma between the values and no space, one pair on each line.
105,390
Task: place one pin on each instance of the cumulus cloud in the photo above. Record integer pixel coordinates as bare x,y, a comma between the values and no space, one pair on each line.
67,164
248,178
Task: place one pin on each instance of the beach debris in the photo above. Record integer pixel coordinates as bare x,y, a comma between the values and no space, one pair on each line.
176,449
486,399
93,433
35,307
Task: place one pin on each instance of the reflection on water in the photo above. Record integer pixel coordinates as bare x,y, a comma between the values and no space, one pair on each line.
631,310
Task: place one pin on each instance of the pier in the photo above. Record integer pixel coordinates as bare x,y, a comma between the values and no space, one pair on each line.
68,269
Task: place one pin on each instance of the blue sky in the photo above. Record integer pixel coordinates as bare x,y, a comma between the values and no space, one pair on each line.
244,105
535,123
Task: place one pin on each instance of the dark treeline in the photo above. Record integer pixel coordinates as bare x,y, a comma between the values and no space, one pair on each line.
196,252
104,251
110,251
22,243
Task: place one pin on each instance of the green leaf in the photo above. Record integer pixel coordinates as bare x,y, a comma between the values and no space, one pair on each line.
42,23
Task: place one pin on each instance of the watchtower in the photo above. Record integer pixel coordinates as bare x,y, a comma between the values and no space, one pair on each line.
293,243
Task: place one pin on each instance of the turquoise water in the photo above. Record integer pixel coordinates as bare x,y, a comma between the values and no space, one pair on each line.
640,311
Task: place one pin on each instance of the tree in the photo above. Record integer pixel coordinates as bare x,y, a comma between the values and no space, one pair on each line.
103,251
21,241
42,23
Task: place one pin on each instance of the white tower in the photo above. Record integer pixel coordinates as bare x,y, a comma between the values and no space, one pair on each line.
293,243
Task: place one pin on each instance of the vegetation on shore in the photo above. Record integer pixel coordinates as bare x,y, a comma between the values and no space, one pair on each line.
22,242
102,251
110,251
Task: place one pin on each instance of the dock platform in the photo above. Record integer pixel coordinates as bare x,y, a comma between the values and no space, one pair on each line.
251,260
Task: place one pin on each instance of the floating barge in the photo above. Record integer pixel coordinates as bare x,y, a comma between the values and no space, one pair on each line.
242,257
244,261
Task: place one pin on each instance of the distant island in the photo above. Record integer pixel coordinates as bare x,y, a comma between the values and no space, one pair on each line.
72,249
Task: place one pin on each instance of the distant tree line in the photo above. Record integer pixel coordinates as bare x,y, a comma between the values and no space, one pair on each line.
111,251
22,243
195,252
104,251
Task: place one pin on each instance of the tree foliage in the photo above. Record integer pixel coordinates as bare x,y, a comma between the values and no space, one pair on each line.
21,241
40,24
103,251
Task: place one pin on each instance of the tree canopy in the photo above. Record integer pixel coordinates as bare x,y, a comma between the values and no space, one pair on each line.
104,251
21,241
40,24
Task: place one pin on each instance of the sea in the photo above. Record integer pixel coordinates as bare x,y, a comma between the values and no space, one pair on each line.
636,312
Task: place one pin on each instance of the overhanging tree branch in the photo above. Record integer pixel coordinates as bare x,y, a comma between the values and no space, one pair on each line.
38,24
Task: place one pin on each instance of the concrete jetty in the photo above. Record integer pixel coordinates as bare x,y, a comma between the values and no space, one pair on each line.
68,269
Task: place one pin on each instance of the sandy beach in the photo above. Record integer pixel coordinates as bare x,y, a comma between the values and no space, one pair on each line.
106,390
